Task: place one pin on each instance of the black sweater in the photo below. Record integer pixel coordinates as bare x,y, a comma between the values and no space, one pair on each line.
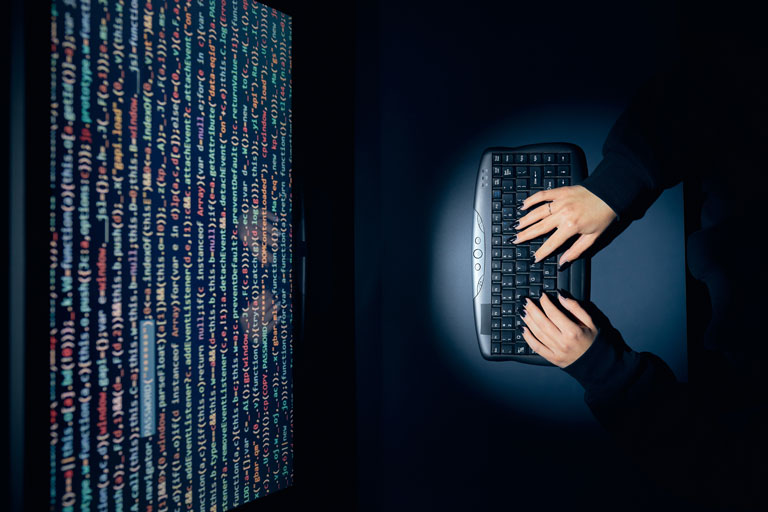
703,122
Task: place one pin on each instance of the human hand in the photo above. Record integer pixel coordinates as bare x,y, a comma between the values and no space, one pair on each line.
571,211
553,335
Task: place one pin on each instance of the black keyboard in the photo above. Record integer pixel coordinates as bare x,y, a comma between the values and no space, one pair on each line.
503,273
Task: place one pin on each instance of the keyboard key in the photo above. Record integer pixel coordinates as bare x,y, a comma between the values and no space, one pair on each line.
519,321
536,177
495,253
496,158
495,264
507,213
535,278
496,228
563,158
508,227
507,266
520,348
508,185
508,322
549,171
506,172
507,310
496,300
507,254
563,170
534,248
521,252
520,158
521,172
519,337
496,217
536,266
507,349
496,241
550,270
535,292
496,182
520,294
508,295
507,281
496,277
534,158
495,348
521,196
495,288
495,312
496,171
496,193
563,182
506,158
506,240
521,184
549,183
508,200
497,206
507,336
521,266
550,284
495,335
521,279
549,158
495,323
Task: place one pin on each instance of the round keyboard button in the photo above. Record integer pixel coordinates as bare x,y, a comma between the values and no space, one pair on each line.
478,254
477,266
477,241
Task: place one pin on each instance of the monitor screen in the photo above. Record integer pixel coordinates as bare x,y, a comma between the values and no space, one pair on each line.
170,348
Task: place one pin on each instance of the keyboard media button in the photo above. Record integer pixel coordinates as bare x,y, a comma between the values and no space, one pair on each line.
507,213
549,183
521,266
495,335
496,229
495,348
506,172
506,158
520,158
496,217
521,172
563,170
563,182
507,281
563,158
550,284
495,264
496,171
507,336
534,158
496,158
549,158
549,171
536,177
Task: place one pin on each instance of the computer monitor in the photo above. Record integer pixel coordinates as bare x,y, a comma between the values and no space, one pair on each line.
261,169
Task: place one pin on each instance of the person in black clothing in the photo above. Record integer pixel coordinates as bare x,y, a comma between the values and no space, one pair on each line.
703,122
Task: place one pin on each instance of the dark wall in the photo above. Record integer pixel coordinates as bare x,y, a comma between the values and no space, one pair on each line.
437,82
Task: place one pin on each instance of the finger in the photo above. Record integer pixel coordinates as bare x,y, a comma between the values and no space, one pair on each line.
542,195
583,243
557,239
533,216
547,328
537,346
561,321
540,228
537,331
576,310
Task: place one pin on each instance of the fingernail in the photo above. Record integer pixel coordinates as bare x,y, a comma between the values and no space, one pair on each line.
564,294
514,240
520,202
517,225
533,259
563,265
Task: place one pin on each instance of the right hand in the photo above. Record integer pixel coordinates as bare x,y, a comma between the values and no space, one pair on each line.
574,211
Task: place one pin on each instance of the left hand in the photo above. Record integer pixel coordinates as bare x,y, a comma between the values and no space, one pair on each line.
554,336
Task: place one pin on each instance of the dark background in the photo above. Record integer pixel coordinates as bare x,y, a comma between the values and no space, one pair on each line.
439,428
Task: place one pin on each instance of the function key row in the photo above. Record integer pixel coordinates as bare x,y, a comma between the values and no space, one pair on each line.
531,158
547,171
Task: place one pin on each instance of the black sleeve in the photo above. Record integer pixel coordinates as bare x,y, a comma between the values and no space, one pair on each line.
642,153
702,444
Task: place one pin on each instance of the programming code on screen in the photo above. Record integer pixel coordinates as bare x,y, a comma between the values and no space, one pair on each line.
170,348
